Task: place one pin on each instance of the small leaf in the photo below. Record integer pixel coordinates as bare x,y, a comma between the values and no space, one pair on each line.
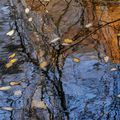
5,88
41,53
8,65
68,41
13,60
65,44
77,60
113,69
106,59
118,34
10,33
14,83
88,25
18,93
7,108
30,19
12,55
43,64
27,10
118,96
55,40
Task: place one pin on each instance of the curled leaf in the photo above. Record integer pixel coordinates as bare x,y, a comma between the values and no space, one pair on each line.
10,33
5,88
77,60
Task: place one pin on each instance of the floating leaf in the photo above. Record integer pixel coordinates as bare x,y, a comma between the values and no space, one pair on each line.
106,59
12,55
30,19
55,40
113,69
43,64
10,33
76,60
7,108
13,60
8,65
18,93
5,88
68,41
14,83
118,96
27,10
39,104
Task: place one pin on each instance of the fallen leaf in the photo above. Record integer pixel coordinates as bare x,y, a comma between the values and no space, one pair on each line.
14,83
113,69
76,60
106,59
68,41
118,96
13,61
65,44
55,40
7,108
10,33
18,93
8,65
39,104
30,19
27,10
118,35
12,55
43,64
41,53
5,88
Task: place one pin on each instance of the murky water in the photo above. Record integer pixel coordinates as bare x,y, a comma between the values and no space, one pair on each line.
91,87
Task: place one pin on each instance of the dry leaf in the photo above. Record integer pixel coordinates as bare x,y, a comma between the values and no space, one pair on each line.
88,25
106,59
68,41
13,61
30,19
14,83
5,88
10,33
38,104
27,10
18,93
118,35
8,65
41,53
7,108
12,55
43,64
76,60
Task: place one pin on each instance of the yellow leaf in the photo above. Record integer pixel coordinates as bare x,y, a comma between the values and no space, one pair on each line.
76,60
12,55
14,83
43,64
68,41
10,33
5,88
8,65
13,60
118,34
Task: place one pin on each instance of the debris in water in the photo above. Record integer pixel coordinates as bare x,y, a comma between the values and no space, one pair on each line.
10,33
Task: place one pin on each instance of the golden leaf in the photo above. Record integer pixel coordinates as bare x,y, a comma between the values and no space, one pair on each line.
13,60
10,33
43,64
5,88
68,41
12,55
14,83
76,60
